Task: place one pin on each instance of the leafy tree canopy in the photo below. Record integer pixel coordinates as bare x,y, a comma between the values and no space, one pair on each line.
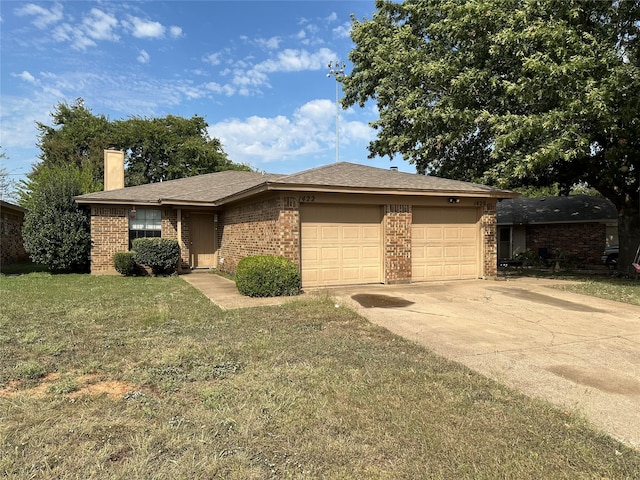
56,232
509,92
155,149
7,184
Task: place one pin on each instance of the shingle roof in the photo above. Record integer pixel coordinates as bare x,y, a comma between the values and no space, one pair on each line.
352,175
208,188
218,188
571,209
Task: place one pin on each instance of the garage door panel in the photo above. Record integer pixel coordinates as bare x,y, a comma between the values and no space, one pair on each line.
350,254
445,243
371,253
434,234
354,253
329,233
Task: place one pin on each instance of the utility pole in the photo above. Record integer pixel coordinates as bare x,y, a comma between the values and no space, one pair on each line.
336,69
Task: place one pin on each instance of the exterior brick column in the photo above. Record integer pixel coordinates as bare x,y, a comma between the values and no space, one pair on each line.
109,234
489,238
289,229
397,243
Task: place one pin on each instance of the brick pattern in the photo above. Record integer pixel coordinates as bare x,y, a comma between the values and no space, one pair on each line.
271,226
489,232
583,242
266,227
169,229
397,243
11,246
109,234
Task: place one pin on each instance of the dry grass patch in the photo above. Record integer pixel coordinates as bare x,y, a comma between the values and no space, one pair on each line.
304,390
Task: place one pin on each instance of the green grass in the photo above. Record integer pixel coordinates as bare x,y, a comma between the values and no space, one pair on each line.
603,286
181,389
22,268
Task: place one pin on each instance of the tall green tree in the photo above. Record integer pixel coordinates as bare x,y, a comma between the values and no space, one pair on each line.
56,231
509,92
7,184
155,149
76,137
167,148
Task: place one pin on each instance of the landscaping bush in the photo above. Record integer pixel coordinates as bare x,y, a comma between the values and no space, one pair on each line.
160,254
267,276
125,263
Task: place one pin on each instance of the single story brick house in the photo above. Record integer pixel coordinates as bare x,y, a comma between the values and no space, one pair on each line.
11,246
342,223
580,225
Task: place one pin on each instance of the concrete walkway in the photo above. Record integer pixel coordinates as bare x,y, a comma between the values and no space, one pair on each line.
580,353
223,292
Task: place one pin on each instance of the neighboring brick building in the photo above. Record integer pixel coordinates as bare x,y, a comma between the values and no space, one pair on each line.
342,223
11,246
580,226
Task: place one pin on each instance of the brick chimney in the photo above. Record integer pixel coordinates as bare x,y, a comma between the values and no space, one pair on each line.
113,170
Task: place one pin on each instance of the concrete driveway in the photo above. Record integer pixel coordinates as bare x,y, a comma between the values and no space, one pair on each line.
578,352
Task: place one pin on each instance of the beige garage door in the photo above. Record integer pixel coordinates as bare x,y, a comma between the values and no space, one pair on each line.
341,244
444,244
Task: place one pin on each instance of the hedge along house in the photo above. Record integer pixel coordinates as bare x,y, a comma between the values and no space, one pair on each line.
342,223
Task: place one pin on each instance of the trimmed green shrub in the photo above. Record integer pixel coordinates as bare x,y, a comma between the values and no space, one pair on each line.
267,276
125,263
160,254
56,231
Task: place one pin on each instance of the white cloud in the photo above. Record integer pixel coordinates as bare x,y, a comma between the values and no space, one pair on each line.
215,87
309,131
74,35
213,58
269,43
342,31
331,18
43,16
141,28
26,76
100,26
291,60
175,32
143,57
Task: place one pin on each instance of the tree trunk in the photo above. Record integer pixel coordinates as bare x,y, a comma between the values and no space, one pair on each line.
629,240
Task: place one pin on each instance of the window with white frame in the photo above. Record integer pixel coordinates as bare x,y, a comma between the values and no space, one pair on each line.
144,223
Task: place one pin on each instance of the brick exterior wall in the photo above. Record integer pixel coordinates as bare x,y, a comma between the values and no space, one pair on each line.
397,243
266,227
11,246
271,226
169,229
583,242
109,234
489,232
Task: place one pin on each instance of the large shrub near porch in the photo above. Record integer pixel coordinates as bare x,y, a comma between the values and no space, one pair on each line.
267,276
159,254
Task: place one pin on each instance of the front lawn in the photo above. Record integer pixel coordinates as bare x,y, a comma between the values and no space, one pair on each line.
113,377
605,286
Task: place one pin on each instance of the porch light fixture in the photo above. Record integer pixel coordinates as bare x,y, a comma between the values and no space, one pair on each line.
454,200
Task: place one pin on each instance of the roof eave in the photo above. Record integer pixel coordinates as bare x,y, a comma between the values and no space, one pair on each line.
277,186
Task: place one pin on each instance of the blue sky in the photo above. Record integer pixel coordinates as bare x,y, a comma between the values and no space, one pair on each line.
256,70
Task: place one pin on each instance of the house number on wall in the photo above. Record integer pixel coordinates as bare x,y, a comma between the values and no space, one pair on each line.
307,198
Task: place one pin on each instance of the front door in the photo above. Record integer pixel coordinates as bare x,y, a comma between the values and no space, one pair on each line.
202,230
